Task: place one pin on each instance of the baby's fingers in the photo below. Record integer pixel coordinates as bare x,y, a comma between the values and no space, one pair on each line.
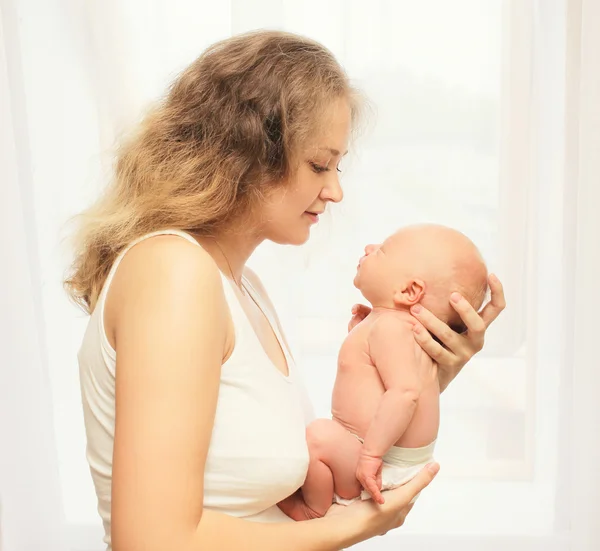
360,310
371,487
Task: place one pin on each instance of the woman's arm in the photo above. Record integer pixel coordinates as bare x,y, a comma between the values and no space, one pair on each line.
170,327
342,527
170,324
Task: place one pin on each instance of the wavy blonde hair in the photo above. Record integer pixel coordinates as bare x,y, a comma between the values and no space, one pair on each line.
226,133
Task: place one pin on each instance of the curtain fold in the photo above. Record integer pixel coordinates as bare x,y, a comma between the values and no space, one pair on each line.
583,183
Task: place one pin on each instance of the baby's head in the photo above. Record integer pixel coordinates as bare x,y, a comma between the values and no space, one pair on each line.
423,264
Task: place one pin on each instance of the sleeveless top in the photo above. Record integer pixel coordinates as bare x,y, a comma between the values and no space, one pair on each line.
258,453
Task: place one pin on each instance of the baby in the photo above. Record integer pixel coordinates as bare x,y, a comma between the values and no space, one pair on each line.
385,404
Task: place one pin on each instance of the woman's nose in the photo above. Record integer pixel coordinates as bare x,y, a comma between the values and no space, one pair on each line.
333,191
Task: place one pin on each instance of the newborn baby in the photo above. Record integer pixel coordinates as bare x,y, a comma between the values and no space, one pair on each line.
385,404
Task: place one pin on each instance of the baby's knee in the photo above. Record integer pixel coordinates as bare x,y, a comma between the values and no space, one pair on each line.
319,435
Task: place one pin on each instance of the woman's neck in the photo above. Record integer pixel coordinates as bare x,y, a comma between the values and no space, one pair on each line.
230,251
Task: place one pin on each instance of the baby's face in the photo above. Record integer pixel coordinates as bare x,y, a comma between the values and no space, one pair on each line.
383,269
376,268
422,264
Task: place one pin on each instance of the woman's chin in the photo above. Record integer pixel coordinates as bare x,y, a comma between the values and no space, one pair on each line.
298,237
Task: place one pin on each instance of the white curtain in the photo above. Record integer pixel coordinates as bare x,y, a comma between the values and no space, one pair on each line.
582,285
31,513
487,119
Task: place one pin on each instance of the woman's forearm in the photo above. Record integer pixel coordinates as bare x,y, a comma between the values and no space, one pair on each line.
226,533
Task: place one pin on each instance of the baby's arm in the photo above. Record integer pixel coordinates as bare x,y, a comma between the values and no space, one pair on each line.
393,353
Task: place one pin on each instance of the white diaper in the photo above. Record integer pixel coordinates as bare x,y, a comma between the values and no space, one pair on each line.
400,465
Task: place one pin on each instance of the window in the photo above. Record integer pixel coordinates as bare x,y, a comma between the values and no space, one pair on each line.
456,86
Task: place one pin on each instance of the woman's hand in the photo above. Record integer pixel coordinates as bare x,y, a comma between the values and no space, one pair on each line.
458,348
376,520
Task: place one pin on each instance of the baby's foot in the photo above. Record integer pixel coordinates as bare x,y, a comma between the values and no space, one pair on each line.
295,508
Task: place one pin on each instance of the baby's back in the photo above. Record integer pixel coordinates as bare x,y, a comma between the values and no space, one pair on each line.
359,388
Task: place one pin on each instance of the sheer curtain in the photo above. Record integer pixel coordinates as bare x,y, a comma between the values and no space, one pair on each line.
487,118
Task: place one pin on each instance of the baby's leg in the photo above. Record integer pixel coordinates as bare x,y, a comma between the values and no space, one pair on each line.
334,455
295,508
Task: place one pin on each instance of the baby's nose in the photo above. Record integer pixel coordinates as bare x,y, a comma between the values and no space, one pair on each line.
370,248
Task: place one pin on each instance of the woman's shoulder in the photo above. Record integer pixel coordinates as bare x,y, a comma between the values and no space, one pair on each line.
160,271
167,262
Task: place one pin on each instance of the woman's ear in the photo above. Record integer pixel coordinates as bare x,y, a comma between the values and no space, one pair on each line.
411,293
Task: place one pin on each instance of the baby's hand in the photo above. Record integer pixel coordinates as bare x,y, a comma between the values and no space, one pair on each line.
359,313
368,473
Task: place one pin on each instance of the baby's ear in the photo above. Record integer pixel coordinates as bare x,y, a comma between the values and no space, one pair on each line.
411,293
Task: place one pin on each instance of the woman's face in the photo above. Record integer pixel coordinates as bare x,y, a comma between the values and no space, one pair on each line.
295,207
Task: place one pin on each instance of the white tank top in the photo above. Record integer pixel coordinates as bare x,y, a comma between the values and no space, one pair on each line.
258,453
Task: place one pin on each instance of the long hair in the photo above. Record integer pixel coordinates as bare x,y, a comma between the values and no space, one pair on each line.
228,131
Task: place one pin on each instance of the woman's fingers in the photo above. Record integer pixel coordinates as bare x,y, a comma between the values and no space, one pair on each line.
403,496
432,348
415,486
475,325
403,515
436,326
496,304
467,313
398,503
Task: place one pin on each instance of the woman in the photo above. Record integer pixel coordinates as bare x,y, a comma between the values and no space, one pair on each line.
194,412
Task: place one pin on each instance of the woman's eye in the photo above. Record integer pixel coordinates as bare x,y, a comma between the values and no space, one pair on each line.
318,168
